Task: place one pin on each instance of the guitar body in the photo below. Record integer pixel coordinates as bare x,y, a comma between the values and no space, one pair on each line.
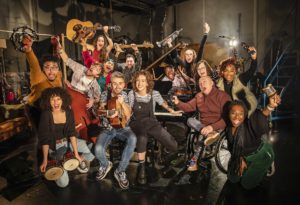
82,117
77,30
116,122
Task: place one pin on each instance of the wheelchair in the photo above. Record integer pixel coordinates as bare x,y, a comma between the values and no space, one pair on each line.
217,150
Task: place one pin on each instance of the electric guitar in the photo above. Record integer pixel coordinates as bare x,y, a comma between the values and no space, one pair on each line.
77,30
118,47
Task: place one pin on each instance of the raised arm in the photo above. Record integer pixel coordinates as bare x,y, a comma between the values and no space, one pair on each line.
247,75
206,28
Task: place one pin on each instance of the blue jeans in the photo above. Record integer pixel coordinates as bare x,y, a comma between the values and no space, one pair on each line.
63,181
104,139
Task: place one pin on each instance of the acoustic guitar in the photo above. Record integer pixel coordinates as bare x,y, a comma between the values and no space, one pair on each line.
77,30
119,47
112,107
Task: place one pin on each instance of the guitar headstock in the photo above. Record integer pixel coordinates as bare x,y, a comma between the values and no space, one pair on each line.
147,44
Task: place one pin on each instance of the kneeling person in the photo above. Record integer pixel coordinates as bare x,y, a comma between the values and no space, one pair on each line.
57,128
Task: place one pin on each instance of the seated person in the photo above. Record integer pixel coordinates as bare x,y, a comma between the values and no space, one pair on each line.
204,69
142,100
57,130
251,155
176,78
123,134
236,85
210,103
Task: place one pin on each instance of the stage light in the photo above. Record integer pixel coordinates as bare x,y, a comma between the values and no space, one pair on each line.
233,42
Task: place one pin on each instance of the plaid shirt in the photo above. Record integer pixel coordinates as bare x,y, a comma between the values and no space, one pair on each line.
92,89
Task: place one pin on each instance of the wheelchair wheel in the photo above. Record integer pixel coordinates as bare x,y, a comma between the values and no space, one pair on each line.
223,155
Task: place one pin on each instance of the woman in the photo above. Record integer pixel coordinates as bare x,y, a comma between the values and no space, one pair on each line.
251,154
101,47
104,79
204,69
236,85
57,129
142,100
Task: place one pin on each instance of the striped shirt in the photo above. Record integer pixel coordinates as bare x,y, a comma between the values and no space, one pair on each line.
157,98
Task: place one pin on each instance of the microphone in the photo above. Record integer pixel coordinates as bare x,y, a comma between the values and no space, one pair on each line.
227,37
246,47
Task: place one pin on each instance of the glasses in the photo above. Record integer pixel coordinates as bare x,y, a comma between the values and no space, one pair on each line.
50,68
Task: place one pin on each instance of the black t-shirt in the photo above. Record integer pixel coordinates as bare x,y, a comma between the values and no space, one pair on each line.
254,128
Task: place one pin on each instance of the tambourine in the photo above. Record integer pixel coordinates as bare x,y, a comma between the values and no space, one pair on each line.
18,35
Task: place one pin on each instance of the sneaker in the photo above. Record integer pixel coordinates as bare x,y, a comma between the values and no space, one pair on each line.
193,165
211,138
102,172
83,167
122,179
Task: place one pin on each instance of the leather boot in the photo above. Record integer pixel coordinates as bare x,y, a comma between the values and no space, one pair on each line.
141,177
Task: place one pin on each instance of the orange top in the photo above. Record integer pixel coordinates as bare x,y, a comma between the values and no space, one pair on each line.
38,80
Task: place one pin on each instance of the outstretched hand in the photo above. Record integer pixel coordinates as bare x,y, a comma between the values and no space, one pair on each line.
206,27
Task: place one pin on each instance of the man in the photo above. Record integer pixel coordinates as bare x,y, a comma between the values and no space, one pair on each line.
171,75
40,79
210,103
84,79
124,134
131,66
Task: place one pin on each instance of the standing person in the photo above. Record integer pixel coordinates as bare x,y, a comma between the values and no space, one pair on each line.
84,79
236,85
123,134
142,100
211,105
251,154
101,47
57,129
191,57
133,63
40,78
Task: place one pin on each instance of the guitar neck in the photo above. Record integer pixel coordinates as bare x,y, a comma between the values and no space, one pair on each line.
101,27
64,65
129,46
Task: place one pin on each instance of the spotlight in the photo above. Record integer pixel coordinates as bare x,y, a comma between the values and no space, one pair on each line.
233,42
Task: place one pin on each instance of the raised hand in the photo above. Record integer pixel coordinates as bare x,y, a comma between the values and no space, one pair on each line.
206,27
27,43
253,54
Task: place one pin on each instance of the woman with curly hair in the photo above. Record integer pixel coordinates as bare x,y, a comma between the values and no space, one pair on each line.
57,129
142,100
235,84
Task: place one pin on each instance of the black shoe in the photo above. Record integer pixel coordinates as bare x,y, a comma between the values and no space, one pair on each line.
122,179
141,177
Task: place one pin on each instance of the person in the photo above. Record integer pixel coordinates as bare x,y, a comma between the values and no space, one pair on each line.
251,154
101,47
104,79
204,69
40,79
123,134
131,65
211,105
236,85
190,57
57,130
176,78
84,79
142,100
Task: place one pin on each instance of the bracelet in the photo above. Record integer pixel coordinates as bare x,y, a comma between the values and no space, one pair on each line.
270,108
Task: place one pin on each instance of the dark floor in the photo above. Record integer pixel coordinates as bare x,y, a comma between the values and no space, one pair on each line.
178,186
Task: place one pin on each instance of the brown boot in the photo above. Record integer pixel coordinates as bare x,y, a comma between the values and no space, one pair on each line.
211,138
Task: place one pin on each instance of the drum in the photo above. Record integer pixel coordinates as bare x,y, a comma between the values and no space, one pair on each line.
53,171
70,163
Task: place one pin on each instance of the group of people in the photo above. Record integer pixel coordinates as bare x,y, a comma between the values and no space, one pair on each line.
222,100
